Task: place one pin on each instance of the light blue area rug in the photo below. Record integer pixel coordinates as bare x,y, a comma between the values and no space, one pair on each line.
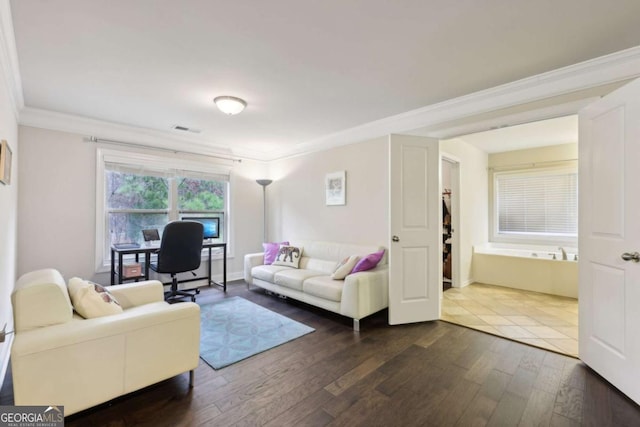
234,329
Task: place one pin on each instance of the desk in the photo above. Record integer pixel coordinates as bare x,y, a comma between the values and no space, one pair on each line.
147,251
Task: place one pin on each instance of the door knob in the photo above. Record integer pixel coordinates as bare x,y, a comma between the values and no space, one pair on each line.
635,257
397,239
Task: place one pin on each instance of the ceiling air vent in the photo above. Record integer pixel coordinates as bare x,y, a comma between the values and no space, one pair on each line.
185,129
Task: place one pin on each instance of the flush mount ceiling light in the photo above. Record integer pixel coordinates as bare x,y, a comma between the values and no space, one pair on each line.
230,104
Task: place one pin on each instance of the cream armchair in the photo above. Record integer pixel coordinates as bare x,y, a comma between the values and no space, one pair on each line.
59,358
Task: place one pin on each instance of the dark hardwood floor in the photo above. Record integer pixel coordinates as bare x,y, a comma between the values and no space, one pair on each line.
428,374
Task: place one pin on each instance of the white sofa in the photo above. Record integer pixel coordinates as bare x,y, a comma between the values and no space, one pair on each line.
357,296
59,358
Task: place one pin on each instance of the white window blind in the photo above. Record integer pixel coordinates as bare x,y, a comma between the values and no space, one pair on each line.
146,170
543,203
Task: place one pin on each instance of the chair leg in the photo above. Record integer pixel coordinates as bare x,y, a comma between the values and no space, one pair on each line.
176,295
191,378
356,325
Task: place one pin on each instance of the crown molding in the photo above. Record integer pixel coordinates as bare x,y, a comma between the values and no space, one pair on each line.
46,119
9,58
586,75
604,70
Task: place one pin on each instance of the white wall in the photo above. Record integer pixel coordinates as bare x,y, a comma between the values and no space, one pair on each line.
57,206
8,219
57,203
445,175
553,153
474,205
296,199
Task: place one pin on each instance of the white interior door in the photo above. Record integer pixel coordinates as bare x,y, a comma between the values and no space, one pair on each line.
415,254
609,228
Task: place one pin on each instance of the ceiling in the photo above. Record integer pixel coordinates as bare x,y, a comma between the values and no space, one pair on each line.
561,130
306,69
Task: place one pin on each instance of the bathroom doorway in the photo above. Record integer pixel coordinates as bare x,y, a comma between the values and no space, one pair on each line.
514,299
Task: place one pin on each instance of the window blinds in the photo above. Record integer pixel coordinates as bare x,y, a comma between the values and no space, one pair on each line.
159,171
544,203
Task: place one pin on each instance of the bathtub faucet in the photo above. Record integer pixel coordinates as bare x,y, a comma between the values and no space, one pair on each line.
564,253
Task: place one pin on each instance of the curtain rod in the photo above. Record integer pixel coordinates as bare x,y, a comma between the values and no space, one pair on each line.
169,150
532,164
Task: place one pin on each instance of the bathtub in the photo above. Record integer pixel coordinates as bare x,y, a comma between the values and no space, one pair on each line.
537,269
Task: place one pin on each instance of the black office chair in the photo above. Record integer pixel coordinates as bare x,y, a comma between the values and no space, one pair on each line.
180,251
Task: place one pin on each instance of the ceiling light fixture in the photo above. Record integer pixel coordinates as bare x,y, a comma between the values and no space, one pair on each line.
230,104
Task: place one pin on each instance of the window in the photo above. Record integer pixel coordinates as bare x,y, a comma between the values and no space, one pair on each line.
137,192
198,195
538,205
134,202
201,199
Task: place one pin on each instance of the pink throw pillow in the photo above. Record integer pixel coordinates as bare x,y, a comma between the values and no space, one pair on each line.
368,262
271,251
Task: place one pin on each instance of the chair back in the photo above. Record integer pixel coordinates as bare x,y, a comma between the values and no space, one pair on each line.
181,247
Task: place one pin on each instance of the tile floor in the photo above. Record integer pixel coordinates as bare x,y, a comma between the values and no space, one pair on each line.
542,320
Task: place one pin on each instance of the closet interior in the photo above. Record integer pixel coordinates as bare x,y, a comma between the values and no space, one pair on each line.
446,239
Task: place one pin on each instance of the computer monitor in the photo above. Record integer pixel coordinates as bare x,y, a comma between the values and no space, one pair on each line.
211,226
150,235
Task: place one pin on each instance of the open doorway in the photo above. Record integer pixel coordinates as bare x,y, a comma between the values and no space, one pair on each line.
523,275
449,184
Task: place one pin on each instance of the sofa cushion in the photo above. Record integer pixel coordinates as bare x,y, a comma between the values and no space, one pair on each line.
368,262
334,251
293,278
345,267
266,272
324,287
91,299
327,267
39,299
271,251
289,256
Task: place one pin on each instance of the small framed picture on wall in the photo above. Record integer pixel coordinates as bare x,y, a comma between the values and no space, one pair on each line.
336,188
5,163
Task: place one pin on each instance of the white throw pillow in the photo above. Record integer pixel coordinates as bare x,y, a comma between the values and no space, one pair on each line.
289,256
91,299
345,267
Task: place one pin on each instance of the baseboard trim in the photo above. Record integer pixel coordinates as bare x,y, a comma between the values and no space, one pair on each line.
466,283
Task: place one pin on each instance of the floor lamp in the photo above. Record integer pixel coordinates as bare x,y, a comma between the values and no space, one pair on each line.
264,183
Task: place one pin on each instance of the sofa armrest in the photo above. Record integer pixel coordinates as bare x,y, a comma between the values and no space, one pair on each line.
135,294
365,293
250,261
